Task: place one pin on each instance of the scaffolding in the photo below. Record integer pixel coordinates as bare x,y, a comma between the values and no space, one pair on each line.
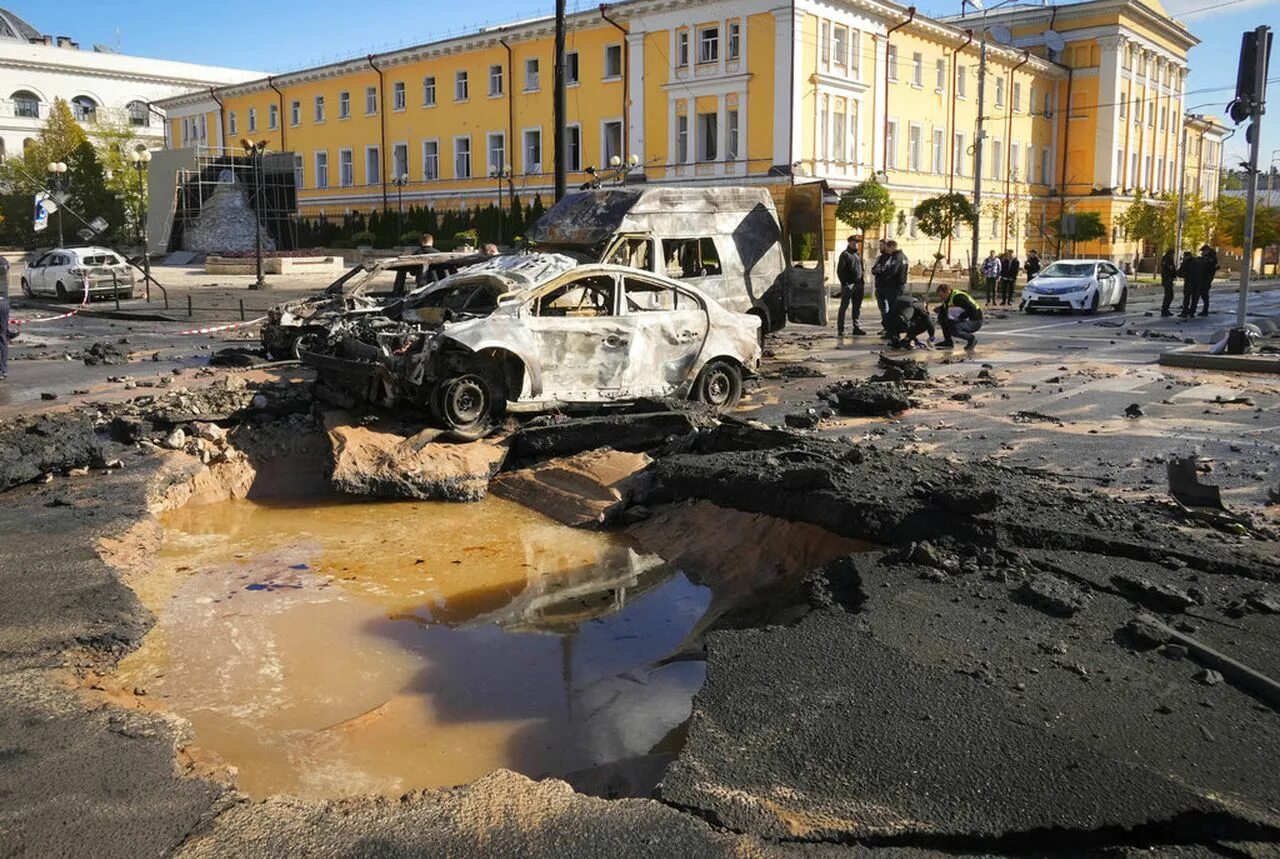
270,192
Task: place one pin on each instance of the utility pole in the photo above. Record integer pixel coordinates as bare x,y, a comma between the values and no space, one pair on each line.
558,105
1255,103
977,158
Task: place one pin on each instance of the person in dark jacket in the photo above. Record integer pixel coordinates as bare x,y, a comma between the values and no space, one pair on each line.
907,320
1188,270
882,274
1208,261
1168,271
1032,265
853,286
427,245
1009,267
959,315
891,278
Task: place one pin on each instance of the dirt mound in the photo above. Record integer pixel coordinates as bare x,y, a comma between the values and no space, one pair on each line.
105,353
868,399
32,447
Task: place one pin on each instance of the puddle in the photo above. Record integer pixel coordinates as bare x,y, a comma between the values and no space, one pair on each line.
379,648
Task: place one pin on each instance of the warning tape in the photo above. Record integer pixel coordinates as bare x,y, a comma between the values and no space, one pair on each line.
216,328
83,302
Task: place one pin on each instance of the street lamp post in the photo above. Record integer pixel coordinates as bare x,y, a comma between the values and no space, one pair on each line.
141,158
400,181
619,171
255,151
500,175
58,179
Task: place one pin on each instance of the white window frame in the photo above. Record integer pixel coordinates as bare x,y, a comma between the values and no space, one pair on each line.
604,139
999,90
430,171
962,81
399,96
299,171
320,160
253,119
682,137
371,101
617,46
232,123
915,160
318,109
574,158
917,70
891,145
940,76
497,82
939,141
368,149
533,74
396,149
709,45
295,113
501,137
959,153
572,71
273,117
891,63
732,134
344,104
681,55
733,41
428,90
346,168
531,168
840,45
457,152
461,86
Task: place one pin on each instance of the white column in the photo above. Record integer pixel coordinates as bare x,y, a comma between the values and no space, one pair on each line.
635,89
1110,127
786,80
879,103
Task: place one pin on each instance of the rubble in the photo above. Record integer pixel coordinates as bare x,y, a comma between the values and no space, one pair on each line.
590,488
901,370
634,432
54,443
867,399
105,353
1054,595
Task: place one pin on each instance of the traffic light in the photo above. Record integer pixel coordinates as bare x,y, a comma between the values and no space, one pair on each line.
1249,86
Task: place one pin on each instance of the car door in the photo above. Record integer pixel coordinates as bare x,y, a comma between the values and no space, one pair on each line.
1108,284
803,238
48,264
668,329
582,343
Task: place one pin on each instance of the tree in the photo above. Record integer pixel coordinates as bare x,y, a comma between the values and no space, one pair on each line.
1077,227
867,206
115,144
938,217
1198,222
91,195
1231,214
21,177
1152,222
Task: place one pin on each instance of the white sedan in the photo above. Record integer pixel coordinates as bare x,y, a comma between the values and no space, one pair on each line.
65,273
1077,284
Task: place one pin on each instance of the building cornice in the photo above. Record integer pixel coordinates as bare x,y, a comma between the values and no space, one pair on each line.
1048,15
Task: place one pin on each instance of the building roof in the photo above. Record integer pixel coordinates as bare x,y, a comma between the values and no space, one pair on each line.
13,27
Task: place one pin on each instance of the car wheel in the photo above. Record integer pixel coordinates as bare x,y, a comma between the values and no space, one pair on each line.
126,295
467,407
1093,303
719,385
61,291
26,288
1124,300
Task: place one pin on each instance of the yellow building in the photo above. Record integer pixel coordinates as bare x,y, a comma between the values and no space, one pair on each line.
747,93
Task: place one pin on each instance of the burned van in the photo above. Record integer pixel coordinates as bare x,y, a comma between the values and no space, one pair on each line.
726,242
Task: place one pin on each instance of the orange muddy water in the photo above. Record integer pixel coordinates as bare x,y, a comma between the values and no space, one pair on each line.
353,648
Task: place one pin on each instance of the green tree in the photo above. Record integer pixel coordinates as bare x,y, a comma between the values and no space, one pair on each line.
91,195
1231,216
938,217
867,206
1154,221
116,144
21,177
1198,220
1077,227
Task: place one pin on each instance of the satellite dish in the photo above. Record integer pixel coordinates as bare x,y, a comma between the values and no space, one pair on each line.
1054,42
1001,34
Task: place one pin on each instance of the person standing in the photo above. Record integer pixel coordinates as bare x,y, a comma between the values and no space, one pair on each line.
1032,266
991,271
1009,266
1188,271
1168,271
1208,268
4,318
427,245
882,276
959,315
853,286
901,271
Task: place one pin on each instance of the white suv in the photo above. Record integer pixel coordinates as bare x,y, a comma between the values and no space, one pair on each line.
64,272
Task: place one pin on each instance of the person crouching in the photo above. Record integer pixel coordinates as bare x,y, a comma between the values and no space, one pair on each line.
959,316
907,320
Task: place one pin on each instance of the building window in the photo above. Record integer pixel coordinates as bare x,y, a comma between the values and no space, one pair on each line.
319,108
297,171
891,145
708,132
1046,177
732,143
372,165
1151,116
370,100
940,76
462,157
824,128
839,132
346,168
612,141
233,125
495,81
344,105
855,51
917,69
958,154
962,81
735,40
429,91
322,169
461,87
253,119
273,117
1048,104
398,99
914,146
999,92
682,49
573,139
571,69
682,138
430,160
1164,112
939,152
709,45
1015,158
612,62
400,160
533,149
891,62
295,113
1124,104
824,42
84,108
26,104
997,160
840,45
532,77
497,151
1017,96
140,116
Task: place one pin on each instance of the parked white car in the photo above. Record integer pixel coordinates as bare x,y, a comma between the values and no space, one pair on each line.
1077,284
63,272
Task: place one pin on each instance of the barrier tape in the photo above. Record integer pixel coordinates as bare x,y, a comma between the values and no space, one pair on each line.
231,326
83,302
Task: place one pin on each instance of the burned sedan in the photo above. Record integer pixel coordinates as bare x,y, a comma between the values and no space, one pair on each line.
538,332
367,288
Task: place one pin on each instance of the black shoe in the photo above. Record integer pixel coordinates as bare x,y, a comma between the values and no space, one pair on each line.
858,332
971,345
1166,313
947,344
1204,313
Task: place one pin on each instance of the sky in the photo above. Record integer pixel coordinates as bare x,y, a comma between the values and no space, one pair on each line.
287,38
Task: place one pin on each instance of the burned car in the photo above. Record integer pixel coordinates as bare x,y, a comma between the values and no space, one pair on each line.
366,288
538,332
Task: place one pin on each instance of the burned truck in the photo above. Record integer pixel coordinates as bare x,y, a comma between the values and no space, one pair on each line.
535,332
727,242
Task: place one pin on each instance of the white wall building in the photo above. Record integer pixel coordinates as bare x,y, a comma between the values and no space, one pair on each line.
98,83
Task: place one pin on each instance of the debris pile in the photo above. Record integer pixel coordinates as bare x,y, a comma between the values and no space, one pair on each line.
867,399
105,353
32,448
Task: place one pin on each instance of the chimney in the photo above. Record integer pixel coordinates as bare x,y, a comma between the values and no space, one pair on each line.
66,42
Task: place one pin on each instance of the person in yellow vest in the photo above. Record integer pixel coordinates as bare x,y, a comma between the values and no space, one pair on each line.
959,315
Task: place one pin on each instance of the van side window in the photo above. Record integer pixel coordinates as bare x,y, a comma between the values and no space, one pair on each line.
686,258
635,253
584,297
